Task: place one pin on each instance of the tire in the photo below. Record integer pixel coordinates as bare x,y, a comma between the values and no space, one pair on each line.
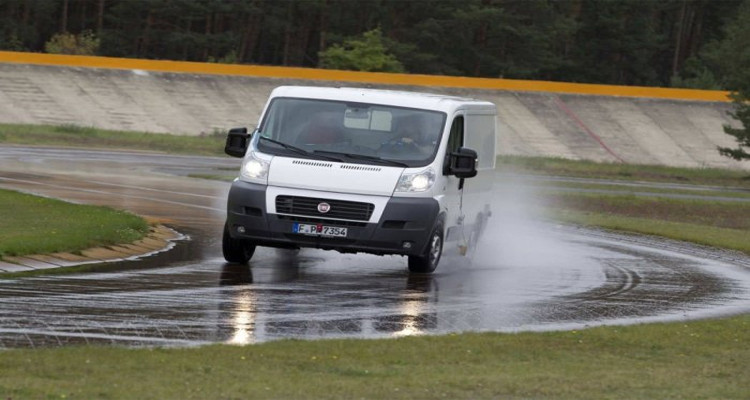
428,261
236,251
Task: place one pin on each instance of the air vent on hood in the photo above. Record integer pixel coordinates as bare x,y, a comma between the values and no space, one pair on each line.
313,163
360,168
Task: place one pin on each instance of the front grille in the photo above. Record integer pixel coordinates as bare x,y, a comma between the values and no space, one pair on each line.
340,209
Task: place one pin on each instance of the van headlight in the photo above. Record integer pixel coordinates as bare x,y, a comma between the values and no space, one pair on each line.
416,182
254,169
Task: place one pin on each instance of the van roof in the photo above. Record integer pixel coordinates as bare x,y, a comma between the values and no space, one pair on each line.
428,101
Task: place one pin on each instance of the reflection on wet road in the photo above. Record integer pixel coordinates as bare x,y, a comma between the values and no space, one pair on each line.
525,276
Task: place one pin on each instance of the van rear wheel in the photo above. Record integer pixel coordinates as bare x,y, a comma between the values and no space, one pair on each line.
428,261
236,251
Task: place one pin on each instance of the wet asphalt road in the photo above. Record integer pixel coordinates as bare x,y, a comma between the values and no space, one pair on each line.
526,275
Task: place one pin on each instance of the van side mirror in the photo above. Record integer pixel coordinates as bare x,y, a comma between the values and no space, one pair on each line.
463,163
237,141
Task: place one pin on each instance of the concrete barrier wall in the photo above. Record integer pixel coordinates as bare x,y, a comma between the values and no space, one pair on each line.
595,122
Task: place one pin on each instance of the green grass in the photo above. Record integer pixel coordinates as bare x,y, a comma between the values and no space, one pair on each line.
644,190
733,215
38,225
77,136
628,172
710,223
733,239
700,360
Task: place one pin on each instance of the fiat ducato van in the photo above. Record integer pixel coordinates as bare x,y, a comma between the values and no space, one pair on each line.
362,170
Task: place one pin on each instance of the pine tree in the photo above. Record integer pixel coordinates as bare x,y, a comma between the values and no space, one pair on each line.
735,51
742,135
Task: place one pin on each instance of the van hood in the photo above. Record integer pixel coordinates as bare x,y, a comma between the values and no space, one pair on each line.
333,176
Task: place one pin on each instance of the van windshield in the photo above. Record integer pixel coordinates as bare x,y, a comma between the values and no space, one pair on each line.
352,132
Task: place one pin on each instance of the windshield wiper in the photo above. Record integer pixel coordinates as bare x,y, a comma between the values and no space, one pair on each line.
365,157
299,150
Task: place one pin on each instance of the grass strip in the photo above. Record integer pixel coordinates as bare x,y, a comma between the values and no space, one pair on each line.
211,144
733,215
705,222
626,172
38,225
700,360
643,190
733,239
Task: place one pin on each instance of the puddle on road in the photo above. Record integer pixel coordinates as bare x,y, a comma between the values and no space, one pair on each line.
315,294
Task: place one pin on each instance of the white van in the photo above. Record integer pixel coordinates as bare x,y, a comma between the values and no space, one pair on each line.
362,170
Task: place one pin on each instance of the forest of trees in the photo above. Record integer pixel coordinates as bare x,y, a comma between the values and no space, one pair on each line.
629,42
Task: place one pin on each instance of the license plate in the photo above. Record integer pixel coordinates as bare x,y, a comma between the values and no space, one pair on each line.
319,230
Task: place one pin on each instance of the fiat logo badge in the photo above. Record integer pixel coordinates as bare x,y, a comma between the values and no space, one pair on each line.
324,208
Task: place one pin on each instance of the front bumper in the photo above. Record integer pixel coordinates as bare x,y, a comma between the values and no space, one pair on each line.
404,226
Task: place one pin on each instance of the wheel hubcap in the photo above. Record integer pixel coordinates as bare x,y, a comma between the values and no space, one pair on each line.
435,248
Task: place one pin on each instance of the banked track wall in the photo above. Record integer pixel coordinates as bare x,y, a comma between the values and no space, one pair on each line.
595,122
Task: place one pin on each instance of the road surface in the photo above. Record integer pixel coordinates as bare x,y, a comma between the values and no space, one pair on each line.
525,275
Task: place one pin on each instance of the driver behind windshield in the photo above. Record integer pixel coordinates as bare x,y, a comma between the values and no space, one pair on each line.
411,136
322,130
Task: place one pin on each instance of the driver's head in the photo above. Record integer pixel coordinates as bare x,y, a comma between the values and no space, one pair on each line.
323,129
411,127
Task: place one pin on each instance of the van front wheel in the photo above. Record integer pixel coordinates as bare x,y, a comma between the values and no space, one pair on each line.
236,251
428,261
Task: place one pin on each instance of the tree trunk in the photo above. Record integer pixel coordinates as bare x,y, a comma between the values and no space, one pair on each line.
695,35
216,28
208,32
145,41
26,12
82,16
185,46
245,42
323,26
678,39
287,34
685,37
480,41
100,18
64,17
251,32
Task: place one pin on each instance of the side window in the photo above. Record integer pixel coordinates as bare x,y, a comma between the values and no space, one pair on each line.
456,139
